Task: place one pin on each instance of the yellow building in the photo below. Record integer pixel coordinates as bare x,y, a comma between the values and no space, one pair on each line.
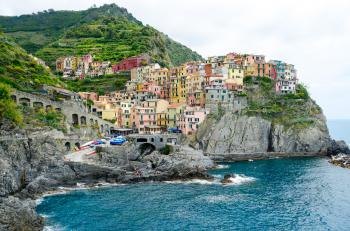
174,111
236,75
249,71
162,119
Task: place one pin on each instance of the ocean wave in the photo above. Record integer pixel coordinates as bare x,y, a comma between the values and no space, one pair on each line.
240,179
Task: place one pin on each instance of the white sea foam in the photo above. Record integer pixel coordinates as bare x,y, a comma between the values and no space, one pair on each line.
53,228
222,166
193,181
39,201
240,179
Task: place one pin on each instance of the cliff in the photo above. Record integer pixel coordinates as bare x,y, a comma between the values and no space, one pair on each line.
271,125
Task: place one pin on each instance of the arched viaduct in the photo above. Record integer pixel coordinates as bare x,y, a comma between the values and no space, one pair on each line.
74,111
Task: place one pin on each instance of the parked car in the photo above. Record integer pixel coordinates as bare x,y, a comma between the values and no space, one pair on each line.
118,141
174,130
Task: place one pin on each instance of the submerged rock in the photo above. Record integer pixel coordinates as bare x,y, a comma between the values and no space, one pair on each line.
228,178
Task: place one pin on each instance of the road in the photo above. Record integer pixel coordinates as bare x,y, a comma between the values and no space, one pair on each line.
80,156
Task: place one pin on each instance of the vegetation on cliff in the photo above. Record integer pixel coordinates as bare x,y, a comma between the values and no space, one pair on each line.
26,116
292,110
8,108
20,70
108,32
100,85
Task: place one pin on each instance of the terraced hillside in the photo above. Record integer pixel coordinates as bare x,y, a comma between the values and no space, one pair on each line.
108,32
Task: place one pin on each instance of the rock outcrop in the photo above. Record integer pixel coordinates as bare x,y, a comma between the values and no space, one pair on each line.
239,137
341,159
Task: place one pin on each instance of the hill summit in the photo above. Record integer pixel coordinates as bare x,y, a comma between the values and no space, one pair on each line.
108,32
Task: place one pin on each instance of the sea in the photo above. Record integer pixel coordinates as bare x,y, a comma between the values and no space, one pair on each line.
278,194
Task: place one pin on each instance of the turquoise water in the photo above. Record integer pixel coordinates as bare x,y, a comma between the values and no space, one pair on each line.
282,194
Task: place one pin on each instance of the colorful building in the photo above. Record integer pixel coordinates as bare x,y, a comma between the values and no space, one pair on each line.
191,118
131,62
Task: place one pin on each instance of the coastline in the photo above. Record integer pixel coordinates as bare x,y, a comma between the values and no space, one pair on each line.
237,157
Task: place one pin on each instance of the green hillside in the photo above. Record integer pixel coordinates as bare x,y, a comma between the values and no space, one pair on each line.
108,32
35,31
20,70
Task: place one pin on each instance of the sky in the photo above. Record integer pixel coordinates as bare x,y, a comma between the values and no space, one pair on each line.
312,35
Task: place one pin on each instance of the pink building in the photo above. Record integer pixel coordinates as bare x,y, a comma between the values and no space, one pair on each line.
143,118
191,118
132,62
89,95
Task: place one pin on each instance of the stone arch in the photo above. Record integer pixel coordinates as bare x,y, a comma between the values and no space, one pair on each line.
146,149
67,145
77,145
24,101
75,119
49,107
58,109
38,105
83,120
14,98
141,140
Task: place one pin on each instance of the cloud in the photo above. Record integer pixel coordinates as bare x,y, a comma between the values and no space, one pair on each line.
312,35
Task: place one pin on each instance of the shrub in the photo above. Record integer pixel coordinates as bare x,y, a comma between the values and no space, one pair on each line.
8,108
166,150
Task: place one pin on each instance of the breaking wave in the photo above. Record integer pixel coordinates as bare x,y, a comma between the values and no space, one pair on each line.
240,179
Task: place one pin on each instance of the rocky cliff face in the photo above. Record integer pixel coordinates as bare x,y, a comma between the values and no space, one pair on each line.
236,135
314,138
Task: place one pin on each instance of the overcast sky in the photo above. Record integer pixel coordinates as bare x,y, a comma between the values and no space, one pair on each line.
313,35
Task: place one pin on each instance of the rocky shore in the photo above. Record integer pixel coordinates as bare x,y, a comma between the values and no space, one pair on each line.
33,165
342,160
32,161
